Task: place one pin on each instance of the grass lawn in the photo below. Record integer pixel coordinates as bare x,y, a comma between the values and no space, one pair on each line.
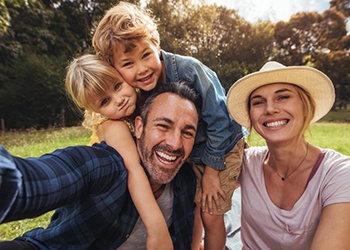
325,134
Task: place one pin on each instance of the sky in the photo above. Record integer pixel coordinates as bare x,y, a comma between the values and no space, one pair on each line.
273,10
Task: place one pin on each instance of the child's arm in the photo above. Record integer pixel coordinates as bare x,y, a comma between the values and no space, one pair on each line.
211,189
117,135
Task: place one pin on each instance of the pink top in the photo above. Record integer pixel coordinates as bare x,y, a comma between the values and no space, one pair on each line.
265,226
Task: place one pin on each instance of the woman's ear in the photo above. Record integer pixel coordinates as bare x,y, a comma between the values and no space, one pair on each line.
138,127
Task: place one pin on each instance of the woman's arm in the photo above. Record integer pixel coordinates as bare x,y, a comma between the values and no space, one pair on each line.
117,135
334,228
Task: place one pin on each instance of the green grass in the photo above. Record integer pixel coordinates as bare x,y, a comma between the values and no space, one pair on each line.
323,134
35,143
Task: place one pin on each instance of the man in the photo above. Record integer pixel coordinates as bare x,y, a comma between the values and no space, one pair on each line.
88,184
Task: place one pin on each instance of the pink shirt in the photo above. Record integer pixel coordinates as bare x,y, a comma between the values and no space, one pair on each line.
265,226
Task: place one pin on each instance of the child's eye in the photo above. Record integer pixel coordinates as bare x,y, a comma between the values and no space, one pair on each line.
104,102
147,54
117,86
127,64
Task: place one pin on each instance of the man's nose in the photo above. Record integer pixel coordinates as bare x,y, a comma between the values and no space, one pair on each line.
174,140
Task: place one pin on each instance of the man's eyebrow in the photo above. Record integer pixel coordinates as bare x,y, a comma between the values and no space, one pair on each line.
165,119
162,118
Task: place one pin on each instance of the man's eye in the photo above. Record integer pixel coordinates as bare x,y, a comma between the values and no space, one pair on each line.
162,126
188,134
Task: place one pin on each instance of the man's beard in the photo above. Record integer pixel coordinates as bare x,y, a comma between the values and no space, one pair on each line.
159,174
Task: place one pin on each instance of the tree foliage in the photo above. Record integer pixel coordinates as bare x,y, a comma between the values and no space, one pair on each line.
39,37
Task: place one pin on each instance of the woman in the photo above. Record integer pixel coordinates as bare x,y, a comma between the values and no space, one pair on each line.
294,195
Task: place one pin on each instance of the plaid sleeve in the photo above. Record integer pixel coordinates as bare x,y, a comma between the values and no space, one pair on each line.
59,178
10,182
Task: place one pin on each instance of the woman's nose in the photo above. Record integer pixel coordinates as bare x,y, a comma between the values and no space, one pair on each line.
271,107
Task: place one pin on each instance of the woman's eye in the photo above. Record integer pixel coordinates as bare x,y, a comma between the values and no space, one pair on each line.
283,97
255,103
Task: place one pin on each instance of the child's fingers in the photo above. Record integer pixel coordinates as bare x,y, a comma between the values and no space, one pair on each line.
217,202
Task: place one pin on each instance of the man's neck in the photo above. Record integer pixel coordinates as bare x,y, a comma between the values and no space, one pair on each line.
157,189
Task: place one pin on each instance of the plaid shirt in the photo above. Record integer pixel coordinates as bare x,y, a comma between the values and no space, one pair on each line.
88,185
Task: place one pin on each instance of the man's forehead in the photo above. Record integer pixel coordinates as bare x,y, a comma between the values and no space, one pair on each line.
169,104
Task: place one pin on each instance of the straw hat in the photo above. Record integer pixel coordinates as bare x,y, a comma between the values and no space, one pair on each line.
312,80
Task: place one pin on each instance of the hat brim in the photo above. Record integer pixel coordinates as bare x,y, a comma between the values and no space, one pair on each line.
312,80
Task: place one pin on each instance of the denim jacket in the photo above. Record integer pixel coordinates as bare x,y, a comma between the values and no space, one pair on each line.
217,132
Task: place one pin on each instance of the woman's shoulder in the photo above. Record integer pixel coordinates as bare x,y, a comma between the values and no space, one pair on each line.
335,160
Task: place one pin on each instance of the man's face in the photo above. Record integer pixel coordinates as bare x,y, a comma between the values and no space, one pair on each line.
168,137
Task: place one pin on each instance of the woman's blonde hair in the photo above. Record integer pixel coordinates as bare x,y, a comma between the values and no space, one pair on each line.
89,75
124,24
309,107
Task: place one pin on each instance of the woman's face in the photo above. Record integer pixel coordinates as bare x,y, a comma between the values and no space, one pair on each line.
276,112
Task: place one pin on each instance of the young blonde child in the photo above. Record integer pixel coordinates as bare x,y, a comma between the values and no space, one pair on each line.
128,39
110,105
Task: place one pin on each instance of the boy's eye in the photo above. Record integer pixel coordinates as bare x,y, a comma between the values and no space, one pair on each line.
147,54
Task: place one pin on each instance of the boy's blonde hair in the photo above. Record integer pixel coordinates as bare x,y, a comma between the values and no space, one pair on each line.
89,75
124,24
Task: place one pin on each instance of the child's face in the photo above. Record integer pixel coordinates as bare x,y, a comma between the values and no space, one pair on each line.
141,67
118,101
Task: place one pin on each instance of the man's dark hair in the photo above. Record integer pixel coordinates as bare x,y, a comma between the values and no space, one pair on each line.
180,88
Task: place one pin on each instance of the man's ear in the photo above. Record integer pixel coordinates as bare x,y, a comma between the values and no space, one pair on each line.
138,127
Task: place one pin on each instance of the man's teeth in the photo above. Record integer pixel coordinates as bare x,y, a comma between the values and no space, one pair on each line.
276,124
167,157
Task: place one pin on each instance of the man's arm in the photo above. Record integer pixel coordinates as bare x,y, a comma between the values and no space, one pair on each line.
33,186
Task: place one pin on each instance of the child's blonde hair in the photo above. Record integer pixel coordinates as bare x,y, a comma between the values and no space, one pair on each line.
124,24
89,75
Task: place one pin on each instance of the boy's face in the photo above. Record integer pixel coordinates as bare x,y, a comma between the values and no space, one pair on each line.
141,67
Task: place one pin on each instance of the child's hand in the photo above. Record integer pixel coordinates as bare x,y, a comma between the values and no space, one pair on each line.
159,240
211,189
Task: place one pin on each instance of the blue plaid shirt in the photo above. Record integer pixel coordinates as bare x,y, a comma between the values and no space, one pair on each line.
88,185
